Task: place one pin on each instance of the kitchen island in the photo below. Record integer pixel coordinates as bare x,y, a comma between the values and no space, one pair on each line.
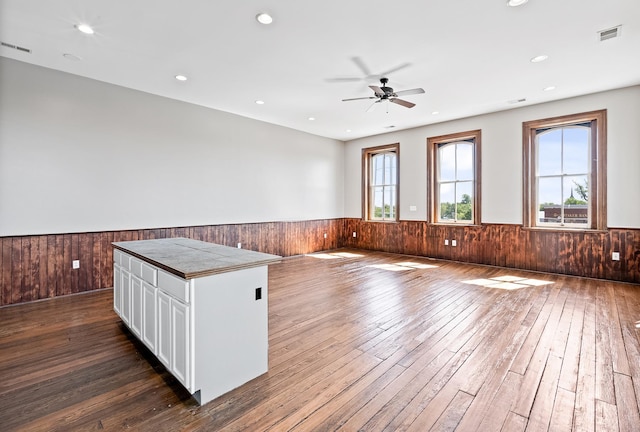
200,308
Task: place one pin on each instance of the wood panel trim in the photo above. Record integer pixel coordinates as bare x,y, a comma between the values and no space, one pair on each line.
37,267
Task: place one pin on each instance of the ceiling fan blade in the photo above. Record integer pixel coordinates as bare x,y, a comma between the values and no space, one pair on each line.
377,90
359,98
404,103
410,92
395,69
363,67
373,106
343,79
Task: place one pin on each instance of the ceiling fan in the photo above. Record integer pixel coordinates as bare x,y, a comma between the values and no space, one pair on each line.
385,93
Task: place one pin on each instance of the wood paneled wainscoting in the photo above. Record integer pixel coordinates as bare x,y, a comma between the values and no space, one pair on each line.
37,267
40,266
578,253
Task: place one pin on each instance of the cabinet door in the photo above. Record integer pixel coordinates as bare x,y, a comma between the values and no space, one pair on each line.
136,305
126,296
164,328
149,323
180,342
117,290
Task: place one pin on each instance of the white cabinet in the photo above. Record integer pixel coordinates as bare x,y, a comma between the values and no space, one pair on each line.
117,289
209,331
126,296
163,311
136,305
149,318
180,334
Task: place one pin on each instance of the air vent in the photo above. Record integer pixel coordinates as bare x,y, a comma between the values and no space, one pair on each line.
516,101
609,33
15,47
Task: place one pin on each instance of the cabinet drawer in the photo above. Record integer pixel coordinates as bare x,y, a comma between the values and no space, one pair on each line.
144,271
149,274
121,259
174,286
136,267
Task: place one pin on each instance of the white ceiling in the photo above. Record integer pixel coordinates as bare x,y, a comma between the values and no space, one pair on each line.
470,56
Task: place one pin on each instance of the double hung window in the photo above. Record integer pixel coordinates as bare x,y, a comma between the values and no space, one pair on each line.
380,172
454,166
564,162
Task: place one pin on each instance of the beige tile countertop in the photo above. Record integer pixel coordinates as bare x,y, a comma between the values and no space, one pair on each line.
190,259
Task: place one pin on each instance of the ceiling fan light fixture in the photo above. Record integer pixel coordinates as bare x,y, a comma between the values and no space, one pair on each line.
514,3
264,18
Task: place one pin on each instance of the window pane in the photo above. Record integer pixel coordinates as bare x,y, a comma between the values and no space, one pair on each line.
378,169
389,203
377,195
550,152
549,199
391,172
576,209
465,161
447,202
576,150
464,195
447,162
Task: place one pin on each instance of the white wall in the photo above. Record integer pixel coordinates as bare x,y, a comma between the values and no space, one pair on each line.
81,155
502,194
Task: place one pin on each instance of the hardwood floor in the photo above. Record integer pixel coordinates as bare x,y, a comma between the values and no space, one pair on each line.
358,341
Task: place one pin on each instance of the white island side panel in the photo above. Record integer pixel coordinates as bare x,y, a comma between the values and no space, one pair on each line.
230,330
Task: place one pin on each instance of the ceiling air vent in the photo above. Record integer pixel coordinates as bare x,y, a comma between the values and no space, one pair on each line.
15,47
609,33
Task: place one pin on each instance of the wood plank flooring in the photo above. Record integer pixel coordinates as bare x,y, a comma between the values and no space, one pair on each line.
359,341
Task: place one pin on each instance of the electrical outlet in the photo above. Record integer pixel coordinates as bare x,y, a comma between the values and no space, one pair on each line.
454,243
76,264
354,234
325,235
239,245
413,208
446,242
615,256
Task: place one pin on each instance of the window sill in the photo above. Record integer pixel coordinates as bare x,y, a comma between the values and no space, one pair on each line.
566,230
454,224
381,221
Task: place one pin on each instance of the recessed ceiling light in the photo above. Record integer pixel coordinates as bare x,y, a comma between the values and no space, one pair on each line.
72,57
435,113
85,28
181,77
347,130
264,18
540,58
516,2
260,102
311,118
549,88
